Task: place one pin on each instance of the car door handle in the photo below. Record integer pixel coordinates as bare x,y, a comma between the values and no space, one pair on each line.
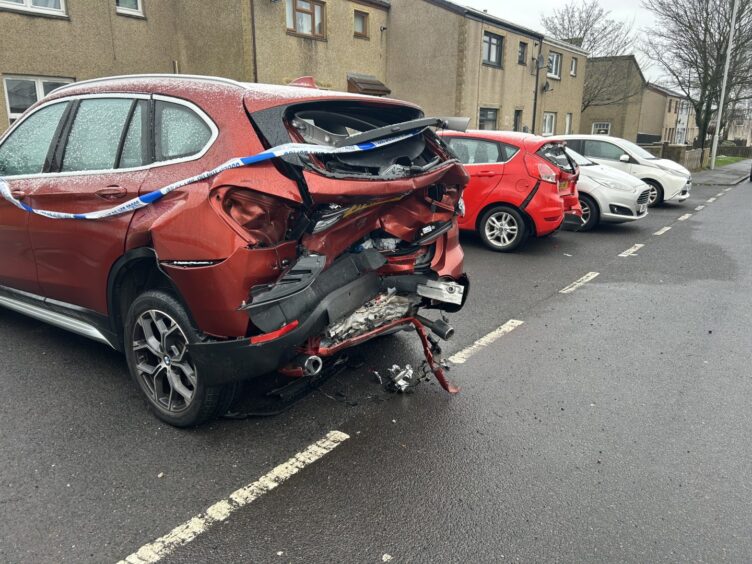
486,173
18,194
112,193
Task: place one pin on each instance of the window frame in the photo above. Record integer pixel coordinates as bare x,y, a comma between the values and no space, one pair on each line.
593,127
312,12
490,35
545,133
61,137
553,72
522,53
573,66
496,119
29,8
38,84
366,24
501,145
138,12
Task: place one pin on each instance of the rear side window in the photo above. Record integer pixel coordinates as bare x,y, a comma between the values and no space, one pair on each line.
25,151
556,155
179,132
94,138
602,150
479,151
134,148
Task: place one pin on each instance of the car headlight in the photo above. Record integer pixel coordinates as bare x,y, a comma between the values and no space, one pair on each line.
614,185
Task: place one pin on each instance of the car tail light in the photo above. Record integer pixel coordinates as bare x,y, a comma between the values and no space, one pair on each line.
263,219
540,169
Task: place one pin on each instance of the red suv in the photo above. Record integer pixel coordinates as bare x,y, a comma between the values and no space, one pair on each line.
256,269
520,185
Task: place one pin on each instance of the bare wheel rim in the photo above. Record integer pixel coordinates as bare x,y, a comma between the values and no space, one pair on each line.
585,210
163,364
502,229
653,196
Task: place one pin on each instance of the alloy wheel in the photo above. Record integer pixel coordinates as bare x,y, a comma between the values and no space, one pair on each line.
163,364
502,229
653,196
586,211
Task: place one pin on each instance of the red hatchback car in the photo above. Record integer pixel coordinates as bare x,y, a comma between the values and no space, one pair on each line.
253,270
520,186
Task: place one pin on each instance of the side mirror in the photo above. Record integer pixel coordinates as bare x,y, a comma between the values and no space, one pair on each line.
625,158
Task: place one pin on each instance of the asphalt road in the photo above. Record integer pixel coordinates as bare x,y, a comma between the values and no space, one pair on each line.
613,424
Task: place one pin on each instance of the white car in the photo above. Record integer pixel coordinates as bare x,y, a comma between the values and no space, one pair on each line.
607,194
667,180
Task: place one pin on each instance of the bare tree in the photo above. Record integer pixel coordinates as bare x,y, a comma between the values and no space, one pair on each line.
587,24
689,42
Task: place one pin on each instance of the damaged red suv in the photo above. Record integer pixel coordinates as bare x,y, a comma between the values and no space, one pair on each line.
254,270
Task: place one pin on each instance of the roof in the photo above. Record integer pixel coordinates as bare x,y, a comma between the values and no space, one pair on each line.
565,45
472,13
663,90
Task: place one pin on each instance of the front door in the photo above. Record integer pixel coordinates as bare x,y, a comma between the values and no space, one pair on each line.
23,155
606,153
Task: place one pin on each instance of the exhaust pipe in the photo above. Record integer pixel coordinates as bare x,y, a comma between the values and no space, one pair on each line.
312,365
439,326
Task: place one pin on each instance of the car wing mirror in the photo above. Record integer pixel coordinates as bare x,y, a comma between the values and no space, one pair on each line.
625,158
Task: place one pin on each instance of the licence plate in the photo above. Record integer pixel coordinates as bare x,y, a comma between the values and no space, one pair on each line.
642,209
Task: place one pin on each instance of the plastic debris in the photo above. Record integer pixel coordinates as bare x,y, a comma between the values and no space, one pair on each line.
400,379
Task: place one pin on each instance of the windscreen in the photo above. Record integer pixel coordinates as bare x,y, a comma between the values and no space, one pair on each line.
578,159
638,151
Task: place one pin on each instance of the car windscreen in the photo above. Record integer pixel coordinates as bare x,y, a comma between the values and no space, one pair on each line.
637,151
557,156
578,159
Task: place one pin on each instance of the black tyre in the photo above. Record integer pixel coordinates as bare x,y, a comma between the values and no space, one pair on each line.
503,229
157,333
591,213
656,193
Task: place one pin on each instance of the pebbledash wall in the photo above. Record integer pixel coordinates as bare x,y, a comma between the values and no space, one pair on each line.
426,51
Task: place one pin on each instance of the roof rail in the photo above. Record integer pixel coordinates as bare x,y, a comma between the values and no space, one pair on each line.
131,76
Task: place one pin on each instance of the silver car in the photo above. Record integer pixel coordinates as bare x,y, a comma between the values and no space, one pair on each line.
608,195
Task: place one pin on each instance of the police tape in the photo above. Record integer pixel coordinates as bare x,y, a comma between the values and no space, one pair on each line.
151,197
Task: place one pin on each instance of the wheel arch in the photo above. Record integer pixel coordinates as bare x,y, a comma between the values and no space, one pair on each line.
529,223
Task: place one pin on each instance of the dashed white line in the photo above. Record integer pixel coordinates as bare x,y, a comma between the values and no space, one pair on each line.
462,356
685,217
220,511
710,200
662,230
729,189
698,208
719,194
578,283
630,252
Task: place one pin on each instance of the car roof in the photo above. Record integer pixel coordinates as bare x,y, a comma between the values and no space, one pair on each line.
528,140
588,136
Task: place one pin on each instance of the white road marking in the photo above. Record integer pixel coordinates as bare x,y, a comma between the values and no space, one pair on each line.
630,252
698,208
581,282
220,511
729,189
719,194
662,230
463,356
685,217
710,200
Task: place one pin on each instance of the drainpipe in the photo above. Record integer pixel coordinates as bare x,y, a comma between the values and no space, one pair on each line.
253,42
537,77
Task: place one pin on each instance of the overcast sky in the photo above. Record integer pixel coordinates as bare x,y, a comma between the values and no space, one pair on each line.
528,13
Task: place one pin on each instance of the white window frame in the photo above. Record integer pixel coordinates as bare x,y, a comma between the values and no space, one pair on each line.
544,131
27,6
130,12
38,83
568,119
573,67
599,125
554,70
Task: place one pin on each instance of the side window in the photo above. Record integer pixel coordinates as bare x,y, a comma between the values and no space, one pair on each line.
475,151
179,132
94,138
134,149
556,155
602,150
575,145
25,151
507,151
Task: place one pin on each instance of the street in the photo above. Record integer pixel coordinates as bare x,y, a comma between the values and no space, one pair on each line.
612,424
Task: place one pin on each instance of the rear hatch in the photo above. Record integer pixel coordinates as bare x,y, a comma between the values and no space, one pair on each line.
567,174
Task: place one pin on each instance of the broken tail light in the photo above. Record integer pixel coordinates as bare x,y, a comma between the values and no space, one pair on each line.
540,169
263,219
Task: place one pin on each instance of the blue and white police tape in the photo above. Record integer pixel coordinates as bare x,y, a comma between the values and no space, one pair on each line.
151,197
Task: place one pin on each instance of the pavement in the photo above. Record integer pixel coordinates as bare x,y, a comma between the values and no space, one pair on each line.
611,424
728,175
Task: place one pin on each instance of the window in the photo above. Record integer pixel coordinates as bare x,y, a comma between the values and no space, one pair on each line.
94,138
669,105
602,150
479,151
568,124
602,128
493,48
129,7
56,7
556,154
554,64
361,24
21,92
549,123
573,67
518,120
306,17
134,148
488,118
179,132
522,53
25,151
